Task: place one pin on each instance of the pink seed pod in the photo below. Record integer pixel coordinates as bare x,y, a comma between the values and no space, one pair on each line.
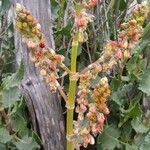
130,46
92,3
31,44
114,43
83,107
89,114
92,140
107,112
80,22
101,118
118,54
96,128
43,72
92,108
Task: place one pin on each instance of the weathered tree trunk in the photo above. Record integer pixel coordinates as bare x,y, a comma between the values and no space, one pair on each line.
44,107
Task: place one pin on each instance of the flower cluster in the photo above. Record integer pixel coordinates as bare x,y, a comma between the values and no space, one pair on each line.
82,18
128,36
100,95
130,33
91,113
84,88
92,3
27,24
92,104
44,58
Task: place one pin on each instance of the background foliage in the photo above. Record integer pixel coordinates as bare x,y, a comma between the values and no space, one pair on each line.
128,125
15,127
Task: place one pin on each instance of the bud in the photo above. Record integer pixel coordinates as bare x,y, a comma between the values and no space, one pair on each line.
92,3
130,46
38,26
34,31
18,7
106,111
92,140
31,44
101,118
118,55
133,22
124,25
135,38
29,18
25,25
123,45
43,72
83,107
114,43
126,54
80,22
19,25
42,44
104,80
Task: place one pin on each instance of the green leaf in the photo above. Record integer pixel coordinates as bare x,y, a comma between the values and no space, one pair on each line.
64,31
133,111
138,125
4,136
18,122
15,79
146,143
116,97
131,147
115,83
1,98
122,5
55,8
10,97
4,6
125,78
132,64
108,140
37,138
2,146
120,96
144,84
79,50
140,47
146,30
126,131
27,143
143,64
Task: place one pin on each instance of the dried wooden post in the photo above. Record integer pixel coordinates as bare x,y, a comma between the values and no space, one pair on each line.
44,107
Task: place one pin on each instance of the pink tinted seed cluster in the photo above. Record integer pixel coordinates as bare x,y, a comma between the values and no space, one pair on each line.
44,58
92,106
91,114
130,33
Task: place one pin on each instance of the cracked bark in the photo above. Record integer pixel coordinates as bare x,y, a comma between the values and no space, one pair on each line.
44,107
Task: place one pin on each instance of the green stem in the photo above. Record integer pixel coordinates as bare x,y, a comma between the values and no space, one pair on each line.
71,95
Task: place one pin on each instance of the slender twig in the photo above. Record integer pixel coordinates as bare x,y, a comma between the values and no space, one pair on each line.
7,120
88,51
62,93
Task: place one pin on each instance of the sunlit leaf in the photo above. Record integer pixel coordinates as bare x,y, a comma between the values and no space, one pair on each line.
27,143
4,136
144,85
108,140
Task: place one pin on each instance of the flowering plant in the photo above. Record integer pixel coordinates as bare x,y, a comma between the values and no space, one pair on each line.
92,109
